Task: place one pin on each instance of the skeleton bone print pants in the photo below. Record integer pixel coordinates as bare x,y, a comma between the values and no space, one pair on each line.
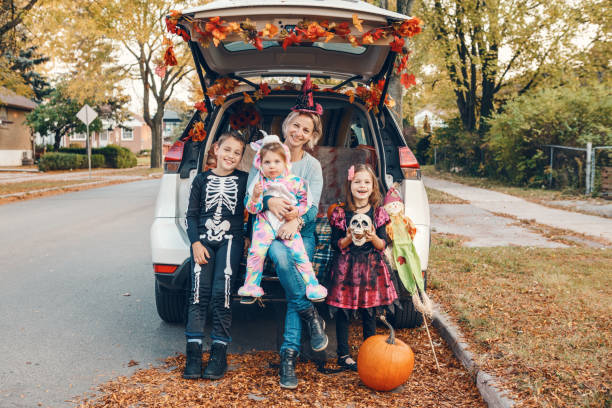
210,288
263,235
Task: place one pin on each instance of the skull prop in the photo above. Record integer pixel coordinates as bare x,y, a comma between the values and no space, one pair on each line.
359,225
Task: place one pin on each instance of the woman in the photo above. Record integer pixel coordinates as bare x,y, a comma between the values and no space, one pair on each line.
302,127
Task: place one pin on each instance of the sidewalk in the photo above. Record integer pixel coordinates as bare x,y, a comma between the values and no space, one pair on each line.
524,210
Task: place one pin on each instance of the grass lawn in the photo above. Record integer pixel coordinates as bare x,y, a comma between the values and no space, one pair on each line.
538,195
539,318
440,197
10,188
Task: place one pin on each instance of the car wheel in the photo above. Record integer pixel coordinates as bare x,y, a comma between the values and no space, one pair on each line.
171,305
407,317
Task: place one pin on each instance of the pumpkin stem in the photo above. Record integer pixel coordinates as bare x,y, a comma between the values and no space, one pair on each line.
391,338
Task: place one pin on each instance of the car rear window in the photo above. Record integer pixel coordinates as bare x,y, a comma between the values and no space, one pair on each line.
239,46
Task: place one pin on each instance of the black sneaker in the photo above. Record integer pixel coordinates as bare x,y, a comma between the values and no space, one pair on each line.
217,363
316,328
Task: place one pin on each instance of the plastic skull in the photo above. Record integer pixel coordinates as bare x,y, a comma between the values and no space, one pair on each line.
359,225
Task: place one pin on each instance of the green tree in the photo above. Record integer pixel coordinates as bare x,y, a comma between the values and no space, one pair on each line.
57,115
24,63
488,45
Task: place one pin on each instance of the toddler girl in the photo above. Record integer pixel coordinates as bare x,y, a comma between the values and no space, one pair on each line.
360,278
273,161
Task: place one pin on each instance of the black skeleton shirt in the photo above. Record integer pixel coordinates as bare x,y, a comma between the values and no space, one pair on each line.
216,206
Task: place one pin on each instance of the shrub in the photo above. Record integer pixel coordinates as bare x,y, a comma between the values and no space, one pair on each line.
68,161
119,157
567,115
115,156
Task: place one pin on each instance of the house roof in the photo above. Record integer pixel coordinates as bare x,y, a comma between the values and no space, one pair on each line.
171,116
12,100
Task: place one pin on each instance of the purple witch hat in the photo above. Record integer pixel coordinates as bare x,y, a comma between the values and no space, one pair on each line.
306,102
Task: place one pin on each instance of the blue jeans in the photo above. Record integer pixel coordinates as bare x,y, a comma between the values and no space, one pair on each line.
295,289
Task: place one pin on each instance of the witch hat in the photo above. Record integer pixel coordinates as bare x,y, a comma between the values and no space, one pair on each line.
305,102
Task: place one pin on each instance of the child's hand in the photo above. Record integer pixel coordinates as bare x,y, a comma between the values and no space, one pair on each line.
200,253
370,234
257,190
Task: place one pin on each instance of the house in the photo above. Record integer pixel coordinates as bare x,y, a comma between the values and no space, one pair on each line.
133,134
433,117
15,135
171,121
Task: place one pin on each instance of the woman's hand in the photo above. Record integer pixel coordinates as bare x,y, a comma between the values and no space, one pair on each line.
292,214
280,207
200,253
288,229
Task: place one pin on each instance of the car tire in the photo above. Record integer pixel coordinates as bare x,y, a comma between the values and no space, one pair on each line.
171,305
407,317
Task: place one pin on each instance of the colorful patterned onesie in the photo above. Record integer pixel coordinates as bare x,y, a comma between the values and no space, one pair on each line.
265,229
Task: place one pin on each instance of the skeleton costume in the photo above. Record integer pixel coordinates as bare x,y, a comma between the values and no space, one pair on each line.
215,217
266,227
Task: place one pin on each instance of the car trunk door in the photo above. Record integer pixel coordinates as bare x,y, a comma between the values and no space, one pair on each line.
336,58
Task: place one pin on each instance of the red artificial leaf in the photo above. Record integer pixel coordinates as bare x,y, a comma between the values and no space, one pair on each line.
401,260
402,65
291,39
397,44
265,89
342,29
408,80
201,106
169,57
409,28
258,43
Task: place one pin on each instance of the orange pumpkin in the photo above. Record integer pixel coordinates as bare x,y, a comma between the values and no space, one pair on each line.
384,363
331,208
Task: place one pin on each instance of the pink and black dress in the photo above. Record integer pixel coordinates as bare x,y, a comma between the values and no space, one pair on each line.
360,278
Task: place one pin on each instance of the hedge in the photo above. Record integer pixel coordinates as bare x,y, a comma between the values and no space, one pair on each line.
115,156
68,161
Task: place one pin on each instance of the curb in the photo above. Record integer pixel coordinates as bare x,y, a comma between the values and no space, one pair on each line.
492,395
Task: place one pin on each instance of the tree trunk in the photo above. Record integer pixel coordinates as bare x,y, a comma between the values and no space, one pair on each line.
58,139
157,139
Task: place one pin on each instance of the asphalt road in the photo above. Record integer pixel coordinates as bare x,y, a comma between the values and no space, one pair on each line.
66,324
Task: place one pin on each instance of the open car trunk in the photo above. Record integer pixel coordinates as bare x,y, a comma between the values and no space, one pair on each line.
327,57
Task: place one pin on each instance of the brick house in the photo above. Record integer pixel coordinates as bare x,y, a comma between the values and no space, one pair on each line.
15,135
133,134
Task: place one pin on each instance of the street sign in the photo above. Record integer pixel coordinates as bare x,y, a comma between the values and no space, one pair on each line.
87,114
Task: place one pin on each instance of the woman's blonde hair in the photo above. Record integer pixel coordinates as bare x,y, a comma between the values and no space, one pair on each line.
317,127
375,198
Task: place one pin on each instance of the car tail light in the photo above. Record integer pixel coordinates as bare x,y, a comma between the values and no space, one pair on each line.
173,158
409,164
160,268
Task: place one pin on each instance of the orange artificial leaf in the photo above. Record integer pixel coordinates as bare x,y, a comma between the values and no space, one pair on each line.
397,44
197,132
314,31
270,31
351,95
329,36
367,38
219,100
247,98
169,57
166,41
357,23
353,40
409,28
234,27
408,80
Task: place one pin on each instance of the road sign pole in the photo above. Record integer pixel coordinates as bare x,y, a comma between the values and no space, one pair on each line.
88,152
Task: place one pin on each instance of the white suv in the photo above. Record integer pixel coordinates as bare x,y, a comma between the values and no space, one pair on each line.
352,133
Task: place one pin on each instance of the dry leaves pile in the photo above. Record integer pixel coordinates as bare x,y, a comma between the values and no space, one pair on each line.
251,381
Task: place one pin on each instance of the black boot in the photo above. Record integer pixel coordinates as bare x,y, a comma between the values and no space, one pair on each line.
217,363
316,328
288,379
193,365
